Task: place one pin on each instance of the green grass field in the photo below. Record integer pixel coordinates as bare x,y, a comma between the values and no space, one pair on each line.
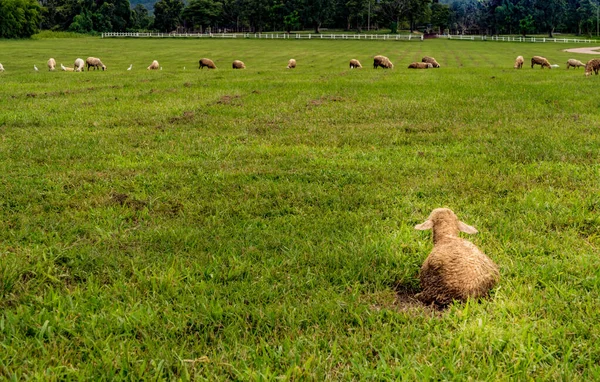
258,224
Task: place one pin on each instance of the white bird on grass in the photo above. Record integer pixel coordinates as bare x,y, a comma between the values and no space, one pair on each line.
161,68
1,68
62,67
130,66
35,68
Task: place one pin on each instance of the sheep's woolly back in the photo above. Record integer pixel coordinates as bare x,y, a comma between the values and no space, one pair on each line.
51,64
431,60
354,63
154,65
206,62
79,64
592,65
519,62
574,63
539,60
420,65
237,64
455,269
291,63
383,62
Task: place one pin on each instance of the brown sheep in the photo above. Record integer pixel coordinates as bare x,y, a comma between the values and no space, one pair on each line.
519,62
431,60
237,64
455,269
420,65
153,66
592,65
205,62
539,60
574,63
291,63
51,64
95,62
382,61
355,64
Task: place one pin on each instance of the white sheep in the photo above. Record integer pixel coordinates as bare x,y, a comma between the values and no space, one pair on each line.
51,64
455,269
574,63
1,68
354,63
153,66
291,63
79,64
519,61
94,62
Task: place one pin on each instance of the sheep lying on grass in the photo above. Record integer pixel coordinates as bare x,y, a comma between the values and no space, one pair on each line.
51,64
153,66
519,62
575,63
66,69
420,65
205,62
237,64
382,61
592,65
291,63
455,269
79,64
539,60
94,62
355,64
431,60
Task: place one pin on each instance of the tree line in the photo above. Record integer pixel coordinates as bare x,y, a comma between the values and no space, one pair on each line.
22,18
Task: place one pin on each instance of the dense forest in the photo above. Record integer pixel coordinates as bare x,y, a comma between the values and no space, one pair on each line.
22,18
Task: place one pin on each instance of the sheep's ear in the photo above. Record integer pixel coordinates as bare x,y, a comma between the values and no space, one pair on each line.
466,228
424,226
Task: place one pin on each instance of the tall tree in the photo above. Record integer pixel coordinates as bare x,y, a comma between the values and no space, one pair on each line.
167,15
319,12
202,13
550,14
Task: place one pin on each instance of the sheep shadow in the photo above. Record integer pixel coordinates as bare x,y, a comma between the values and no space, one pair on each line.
406,300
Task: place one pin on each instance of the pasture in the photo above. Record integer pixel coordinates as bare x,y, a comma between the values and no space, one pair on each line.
258,224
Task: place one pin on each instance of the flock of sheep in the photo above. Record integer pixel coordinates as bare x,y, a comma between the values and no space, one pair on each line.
379,61
592,65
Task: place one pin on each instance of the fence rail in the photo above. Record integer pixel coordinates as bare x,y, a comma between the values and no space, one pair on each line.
296,36
517,39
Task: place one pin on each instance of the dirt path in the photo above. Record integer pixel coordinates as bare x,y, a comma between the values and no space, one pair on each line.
595,50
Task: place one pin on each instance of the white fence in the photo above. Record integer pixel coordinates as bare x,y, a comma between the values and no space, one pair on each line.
517,39
297,36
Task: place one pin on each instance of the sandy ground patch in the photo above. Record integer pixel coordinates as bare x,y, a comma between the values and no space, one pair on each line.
595,50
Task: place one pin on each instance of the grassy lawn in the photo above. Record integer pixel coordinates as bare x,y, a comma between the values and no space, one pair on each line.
258,224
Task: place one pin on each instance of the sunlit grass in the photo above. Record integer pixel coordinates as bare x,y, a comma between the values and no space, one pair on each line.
258,223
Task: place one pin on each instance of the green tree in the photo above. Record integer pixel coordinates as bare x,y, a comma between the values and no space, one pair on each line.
140,20
202,13
440,16
167,14
19,18
550,14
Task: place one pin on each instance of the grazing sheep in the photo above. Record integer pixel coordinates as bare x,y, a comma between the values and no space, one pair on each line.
51,64
455,269
95,62
237,64
420,65
1,68
291,63
592,65
382,61
574,63
153,66
206,62
431,60
355,64
79,64
539,60
519,62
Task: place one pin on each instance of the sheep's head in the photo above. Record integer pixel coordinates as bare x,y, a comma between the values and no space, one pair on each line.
103,67
444,224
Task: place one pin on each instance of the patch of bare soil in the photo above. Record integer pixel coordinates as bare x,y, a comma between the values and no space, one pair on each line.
592,50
